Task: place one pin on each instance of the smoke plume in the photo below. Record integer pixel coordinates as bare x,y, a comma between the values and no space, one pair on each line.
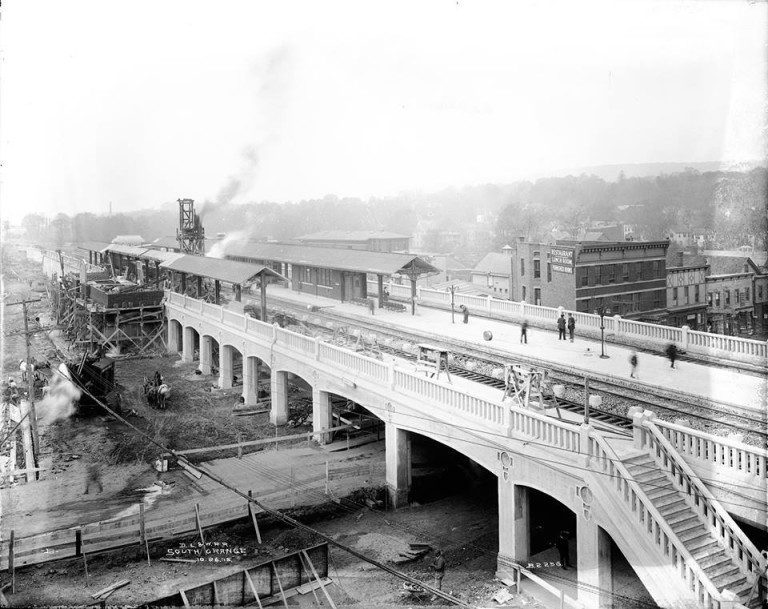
220,247
60,398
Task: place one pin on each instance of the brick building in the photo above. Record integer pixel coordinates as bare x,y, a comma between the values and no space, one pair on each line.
627,277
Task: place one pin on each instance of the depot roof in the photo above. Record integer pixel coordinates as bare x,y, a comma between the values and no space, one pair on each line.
93,246
227,271
361,261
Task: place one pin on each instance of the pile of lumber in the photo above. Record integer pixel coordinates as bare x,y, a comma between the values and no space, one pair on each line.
414,552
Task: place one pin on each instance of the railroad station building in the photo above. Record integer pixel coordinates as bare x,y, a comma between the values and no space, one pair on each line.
626,277
372,241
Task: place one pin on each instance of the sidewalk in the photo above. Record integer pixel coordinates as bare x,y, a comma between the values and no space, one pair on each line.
737,388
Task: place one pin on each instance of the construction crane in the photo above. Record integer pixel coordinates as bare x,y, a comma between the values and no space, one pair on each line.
190,234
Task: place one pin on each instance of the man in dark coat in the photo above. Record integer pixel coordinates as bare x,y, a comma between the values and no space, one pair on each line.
671,352
465,313
562,548
524,331
571,325
561,327
438,566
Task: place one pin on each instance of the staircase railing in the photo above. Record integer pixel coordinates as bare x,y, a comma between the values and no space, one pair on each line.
704,503
652,522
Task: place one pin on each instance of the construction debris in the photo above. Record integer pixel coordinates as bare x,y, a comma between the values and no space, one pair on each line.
104,592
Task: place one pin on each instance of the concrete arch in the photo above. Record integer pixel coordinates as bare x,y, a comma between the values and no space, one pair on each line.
190,343
227,356
207,359
174,336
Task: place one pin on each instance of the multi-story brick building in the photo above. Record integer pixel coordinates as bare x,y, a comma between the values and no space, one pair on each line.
626,277
729,303
760,296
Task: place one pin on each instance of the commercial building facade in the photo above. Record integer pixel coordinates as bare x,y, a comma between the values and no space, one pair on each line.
627,278
730,303
686,296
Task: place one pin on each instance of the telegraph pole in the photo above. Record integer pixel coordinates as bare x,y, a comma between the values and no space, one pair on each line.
30,376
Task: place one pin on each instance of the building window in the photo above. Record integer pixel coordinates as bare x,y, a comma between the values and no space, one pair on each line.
324,277
625,272
717,299
674,293
523,292
537,296
737,296
696,293
656,270
537,268
658,297
307,275
549,272
727,297
760,292
685,294
746,294
522,266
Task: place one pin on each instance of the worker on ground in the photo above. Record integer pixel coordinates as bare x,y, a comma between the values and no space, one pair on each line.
464,313
563,549
438,566
571,326
633,365
524,332
158,465
671,352
158,378
93,477
23,370
561,327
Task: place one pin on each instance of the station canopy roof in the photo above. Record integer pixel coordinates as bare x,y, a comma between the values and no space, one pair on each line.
94,246
228,271
159,255
359,261
126,250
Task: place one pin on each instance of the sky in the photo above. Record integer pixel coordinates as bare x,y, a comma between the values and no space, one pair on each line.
140,103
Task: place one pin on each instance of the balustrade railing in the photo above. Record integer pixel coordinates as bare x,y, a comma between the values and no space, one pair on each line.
701,446
718,520
651,522
366,366
623,330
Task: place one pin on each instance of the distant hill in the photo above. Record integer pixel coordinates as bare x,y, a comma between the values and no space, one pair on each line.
610,173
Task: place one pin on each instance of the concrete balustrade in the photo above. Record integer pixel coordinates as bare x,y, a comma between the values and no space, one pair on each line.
624,331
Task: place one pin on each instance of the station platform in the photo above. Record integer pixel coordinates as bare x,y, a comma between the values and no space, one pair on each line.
728,386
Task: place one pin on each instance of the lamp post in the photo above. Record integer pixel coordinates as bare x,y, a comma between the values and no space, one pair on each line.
453,309
602,312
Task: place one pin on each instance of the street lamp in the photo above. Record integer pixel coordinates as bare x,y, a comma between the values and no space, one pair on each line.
453,309
602,312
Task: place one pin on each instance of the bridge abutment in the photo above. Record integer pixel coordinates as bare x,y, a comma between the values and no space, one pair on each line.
514,527
322,412
593,562
278,386
398,457
206,354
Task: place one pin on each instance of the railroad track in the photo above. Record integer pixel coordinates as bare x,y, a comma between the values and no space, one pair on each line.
667,403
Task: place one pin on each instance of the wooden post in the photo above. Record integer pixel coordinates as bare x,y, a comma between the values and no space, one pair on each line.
11,566
309,578
143,531
279,584
253,588
78,542
586,401
263,297
319,581
293,491
253,517
327,476
197,520
184,600
85,566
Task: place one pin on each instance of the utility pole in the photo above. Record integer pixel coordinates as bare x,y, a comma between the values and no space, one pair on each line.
30,380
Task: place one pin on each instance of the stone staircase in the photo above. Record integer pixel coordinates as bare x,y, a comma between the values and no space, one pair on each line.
716,562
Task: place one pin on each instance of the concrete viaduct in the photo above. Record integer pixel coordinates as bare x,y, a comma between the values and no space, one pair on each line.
577,465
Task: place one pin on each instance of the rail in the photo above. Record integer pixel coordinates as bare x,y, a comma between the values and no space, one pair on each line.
718,520
564,599
651,522
701,446
621,330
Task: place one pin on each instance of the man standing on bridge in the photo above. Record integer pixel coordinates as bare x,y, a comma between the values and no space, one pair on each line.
571,325
671,352
524,331
561,327
464,313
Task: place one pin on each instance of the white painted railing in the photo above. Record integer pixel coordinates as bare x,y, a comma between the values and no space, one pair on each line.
707,448
719,523
294,341
367,366
621,330
650,521
545,429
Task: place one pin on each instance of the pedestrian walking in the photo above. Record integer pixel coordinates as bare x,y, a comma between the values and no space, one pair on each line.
563,549
23,370
158,468
671,352
464,313
524,332
633,365
438,566
561,327
571,325
93,477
